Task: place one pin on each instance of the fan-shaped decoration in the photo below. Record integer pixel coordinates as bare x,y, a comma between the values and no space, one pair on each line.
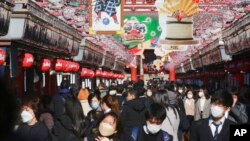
176,20
180,8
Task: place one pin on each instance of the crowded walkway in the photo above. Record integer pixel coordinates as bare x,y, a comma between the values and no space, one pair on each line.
158,110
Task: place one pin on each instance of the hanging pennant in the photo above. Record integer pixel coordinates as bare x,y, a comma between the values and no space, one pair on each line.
27,60
2,56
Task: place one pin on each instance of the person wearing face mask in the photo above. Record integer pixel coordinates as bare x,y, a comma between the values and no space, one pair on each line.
151,131
96,113
132,113
189,104
202,106
31,128
108,129
216,127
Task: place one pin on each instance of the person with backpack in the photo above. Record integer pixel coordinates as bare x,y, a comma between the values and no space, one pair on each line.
151,131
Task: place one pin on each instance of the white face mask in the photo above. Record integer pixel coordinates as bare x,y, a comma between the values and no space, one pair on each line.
26,116
149,93
217,111
201,94
189,96
153,128
180,90
95,105
106,129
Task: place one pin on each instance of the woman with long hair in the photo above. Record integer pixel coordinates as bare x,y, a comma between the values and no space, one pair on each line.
71,126
110,103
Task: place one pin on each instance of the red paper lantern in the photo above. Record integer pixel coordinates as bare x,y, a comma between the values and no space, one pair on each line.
104,74
66,66
115,76
92,74
59,65
45,65
2,56
75,67
28,60
98,73
84,72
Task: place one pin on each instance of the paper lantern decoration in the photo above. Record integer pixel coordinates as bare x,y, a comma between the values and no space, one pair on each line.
2,56
104,74
84,72
28,60
45,65
98,73
59,65
91,74
75,67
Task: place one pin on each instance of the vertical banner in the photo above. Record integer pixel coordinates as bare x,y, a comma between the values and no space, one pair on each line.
106,17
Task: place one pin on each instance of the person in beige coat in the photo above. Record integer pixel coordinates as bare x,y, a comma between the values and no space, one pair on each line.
202,106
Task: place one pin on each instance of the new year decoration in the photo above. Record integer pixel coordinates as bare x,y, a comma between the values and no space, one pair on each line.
176,21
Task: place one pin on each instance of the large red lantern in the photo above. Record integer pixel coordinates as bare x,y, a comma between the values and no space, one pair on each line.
66,66
28,60
91,74
84,72
104,74
45,65
59,65
2,56
98,73
75,67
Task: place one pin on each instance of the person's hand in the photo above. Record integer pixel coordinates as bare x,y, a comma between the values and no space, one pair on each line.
101,139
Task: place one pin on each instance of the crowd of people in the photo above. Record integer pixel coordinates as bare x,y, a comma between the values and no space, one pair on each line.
158,111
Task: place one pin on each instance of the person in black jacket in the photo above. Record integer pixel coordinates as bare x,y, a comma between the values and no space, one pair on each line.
216,127
132,113
238,111
31,129
70,126
151,131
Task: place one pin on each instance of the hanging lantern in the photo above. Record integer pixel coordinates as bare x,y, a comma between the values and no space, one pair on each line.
84,72
75,67
92,74
104,74
28,60
59,65
98,73
45,65
2,56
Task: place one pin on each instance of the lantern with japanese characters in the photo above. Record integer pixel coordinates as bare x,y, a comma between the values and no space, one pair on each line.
45,67
28,60
2,56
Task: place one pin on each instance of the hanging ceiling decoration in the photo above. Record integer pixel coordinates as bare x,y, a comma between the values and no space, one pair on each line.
212,17
176,21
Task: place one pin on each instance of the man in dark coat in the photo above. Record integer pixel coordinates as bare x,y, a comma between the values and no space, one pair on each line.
132,113
216,127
